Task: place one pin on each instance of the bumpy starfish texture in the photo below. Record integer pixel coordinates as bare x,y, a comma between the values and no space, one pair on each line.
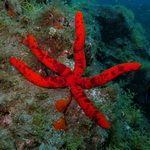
73,79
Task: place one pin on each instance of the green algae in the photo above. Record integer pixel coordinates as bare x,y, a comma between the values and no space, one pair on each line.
32,108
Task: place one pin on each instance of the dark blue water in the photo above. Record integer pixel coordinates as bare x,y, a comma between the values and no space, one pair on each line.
124,2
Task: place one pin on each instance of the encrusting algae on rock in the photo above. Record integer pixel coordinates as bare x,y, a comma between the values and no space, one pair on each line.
33,117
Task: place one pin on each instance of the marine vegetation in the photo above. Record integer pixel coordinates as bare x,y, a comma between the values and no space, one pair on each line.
45,118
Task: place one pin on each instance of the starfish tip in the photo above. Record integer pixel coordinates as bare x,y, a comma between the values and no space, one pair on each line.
12,60
105,124
30,41
138,65
79,13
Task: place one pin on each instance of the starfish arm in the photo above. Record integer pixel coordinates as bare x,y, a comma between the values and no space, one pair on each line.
108,75
43,56
79,55
88,107
35,78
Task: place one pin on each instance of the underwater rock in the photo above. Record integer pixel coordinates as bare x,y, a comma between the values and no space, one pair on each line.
113,25
5,120
121,38
32,109
48,1
118,27
68,1
5,84
53,18
13,7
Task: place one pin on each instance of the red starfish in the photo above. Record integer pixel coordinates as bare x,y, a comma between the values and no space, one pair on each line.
72,79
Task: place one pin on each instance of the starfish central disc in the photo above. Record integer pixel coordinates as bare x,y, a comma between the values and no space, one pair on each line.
71,80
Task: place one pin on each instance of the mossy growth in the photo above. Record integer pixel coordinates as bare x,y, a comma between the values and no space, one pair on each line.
137,36
73,142
33,115
130,128
5,84
42,96
6,138
118,22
